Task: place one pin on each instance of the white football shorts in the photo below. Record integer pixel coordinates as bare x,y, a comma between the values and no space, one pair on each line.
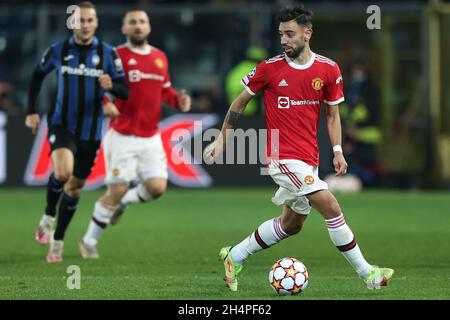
296,179
128,157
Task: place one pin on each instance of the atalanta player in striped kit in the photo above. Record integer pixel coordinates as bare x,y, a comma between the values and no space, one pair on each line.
86,69
295,84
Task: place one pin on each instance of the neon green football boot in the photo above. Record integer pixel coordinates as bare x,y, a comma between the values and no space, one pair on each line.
378,277
231,268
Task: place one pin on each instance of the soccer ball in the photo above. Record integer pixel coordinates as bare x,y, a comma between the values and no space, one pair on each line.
288,276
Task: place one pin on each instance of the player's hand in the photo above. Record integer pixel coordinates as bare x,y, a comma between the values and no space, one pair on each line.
110,110
184,101
214,149
105,82
32,121
340,165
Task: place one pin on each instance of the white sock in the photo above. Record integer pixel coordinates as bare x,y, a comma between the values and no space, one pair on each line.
344,240
100,219
267,234
135,195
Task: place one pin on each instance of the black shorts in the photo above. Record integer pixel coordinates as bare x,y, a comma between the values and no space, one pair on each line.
84,152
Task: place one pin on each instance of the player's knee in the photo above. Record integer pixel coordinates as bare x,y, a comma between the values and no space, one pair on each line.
292,228
73,187
73,192
334,208
62,174
115,193
157,191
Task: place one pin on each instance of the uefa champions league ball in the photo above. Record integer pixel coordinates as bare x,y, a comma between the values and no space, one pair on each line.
288,276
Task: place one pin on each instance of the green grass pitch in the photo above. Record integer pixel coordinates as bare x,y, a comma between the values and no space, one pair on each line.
168,249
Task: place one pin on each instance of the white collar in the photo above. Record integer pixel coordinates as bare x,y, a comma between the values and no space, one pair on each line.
301,66
146,50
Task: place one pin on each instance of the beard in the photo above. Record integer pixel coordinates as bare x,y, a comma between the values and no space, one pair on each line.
137,41
294,53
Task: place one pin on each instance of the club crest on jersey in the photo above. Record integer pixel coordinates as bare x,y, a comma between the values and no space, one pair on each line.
159,63
95,60
317,83
309,180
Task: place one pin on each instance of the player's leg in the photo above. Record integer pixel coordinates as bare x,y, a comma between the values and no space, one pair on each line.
103,211
86,152
342,237
152,171
265,236
121,163
67,208
63,162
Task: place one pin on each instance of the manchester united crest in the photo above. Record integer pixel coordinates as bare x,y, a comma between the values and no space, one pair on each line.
317,83
159,63
309,180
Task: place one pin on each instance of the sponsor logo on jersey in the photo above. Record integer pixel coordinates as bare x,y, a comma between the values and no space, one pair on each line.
317,83
283,102
137,75
283,83
286,102
82,71
159,63
309,180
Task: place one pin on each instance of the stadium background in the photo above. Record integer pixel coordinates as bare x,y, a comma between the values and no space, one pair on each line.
408,65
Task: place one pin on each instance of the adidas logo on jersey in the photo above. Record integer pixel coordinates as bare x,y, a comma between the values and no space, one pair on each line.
283,83
132,62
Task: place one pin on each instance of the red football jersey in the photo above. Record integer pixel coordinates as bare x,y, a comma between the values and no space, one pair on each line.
293,95
147,74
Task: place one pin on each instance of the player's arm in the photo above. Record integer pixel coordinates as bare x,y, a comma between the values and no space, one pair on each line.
335,135
33,119
178,100
214,149
118,87
114,80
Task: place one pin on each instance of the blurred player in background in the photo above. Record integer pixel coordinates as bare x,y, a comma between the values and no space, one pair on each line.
86,68
295,84
133,146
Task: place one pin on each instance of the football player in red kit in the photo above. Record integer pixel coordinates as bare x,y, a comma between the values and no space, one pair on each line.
133,147
295,84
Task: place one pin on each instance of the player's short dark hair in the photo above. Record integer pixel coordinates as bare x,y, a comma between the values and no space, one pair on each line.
134,10
295,12
86,5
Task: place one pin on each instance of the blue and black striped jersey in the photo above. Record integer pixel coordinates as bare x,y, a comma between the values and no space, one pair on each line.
79,98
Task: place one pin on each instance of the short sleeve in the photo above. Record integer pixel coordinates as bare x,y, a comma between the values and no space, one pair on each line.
333,93
116,67
256,79
47,62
